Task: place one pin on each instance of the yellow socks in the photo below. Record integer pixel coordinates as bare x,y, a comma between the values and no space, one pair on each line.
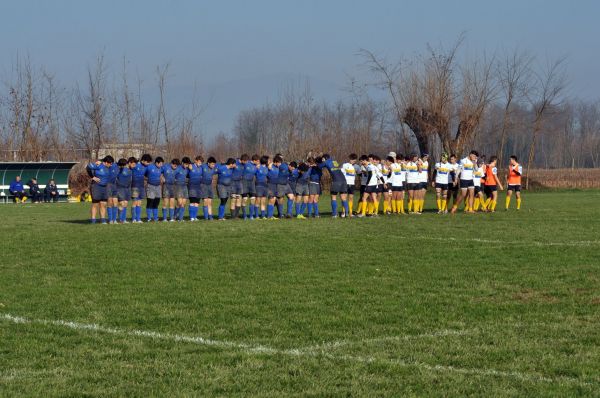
507,202
476,204
444,205
493,204
394,206
401,206
377,208
518,203
410,205
351,206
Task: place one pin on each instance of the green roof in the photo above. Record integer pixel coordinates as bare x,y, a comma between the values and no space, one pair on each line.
42,171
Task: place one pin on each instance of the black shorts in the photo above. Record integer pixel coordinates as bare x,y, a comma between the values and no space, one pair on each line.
516,188
423,185
350,190
443,187
371,189
398,189
490,189
477,189
99,193
194,200
381,188
338,187
412,186
466,184
362,189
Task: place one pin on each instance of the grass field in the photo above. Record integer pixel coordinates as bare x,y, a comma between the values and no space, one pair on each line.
489,304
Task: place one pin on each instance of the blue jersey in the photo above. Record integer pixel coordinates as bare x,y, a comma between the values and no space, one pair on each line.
224,174
195,175
181,174
262,173
207,174
16,186
334,170
293,177
273,174
138,172
153,173
284,173
238,171
100,171
168,173
315,174
124,177
113,172
303,177
249,171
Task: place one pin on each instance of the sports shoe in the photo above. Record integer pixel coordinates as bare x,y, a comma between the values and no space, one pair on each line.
300,217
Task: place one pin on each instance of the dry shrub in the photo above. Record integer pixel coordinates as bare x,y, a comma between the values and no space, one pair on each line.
564,178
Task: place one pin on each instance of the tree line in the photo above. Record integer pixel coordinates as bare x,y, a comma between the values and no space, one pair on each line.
442,100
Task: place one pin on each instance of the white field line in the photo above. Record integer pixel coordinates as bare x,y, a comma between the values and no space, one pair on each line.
311,352
581,243
345,343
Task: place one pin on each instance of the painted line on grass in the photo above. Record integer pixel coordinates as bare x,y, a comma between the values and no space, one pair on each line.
300,352
581,243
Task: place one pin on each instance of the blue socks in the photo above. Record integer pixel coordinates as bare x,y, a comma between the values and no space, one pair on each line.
302,207
290,206
297,208
164,213
334,208
155,213
279,210
109,212
346,208
205,212
316,208
270,209
310,208
149,214
124,214
221,212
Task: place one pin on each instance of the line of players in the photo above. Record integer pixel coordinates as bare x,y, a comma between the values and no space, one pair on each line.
257,186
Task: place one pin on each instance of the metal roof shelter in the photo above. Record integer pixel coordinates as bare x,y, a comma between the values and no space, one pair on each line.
42,171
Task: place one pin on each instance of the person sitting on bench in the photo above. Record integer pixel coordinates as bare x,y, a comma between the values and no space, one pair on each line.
34,191
51,192
17,190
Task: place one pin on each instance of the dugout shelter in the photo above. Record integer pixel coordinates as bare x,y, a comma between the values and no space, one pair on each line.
42,171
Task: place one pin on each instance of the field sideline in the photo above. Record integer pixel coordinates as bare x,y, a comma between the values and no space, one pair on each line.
488,304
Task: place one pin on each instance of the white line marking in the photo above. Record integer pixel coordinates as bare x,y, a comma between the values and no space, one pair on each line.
310,352
581,243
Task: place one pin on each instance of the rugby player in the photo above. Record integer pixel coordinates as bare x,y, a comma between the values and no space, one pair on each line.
513,181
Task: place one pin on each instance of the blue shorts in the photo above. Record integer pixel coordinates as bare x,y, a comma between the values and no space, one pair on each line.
99,193
123,194
301,189
180,191
237,187
272,190
138,192
262,191
283,190
206,191
168,191
248,188
111,190
314,188
224,191
195,191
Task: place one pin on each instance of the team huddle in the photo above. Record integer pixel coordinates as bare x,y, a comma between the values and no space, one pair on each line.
255,187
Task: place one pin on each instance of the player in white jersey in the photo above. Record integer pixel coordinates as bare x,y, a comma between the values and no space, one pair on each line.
423,178
412,182
452,187
466,169
374,179
478,192
397,185
349,171
441,177
387,188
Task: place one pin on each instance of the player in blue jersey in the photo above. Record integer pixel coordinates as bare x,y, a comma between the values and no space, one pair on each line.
195,186
153,191
314,187
272,178
168,190
112,207
138,190
181,187
283,187
224,185
262,187
208,171
249,167
123,183
237,188
100,174
339,185
301,189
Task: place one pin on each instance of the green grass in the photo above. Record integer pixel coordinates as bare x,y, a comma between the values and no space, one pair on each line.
488,304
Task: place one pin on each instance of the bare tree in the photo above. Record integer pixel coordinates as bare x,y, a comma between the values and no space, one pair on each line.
545,96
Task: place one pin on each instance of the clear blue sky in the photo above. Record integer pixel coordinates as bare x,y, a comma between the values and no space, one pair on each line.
222,41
